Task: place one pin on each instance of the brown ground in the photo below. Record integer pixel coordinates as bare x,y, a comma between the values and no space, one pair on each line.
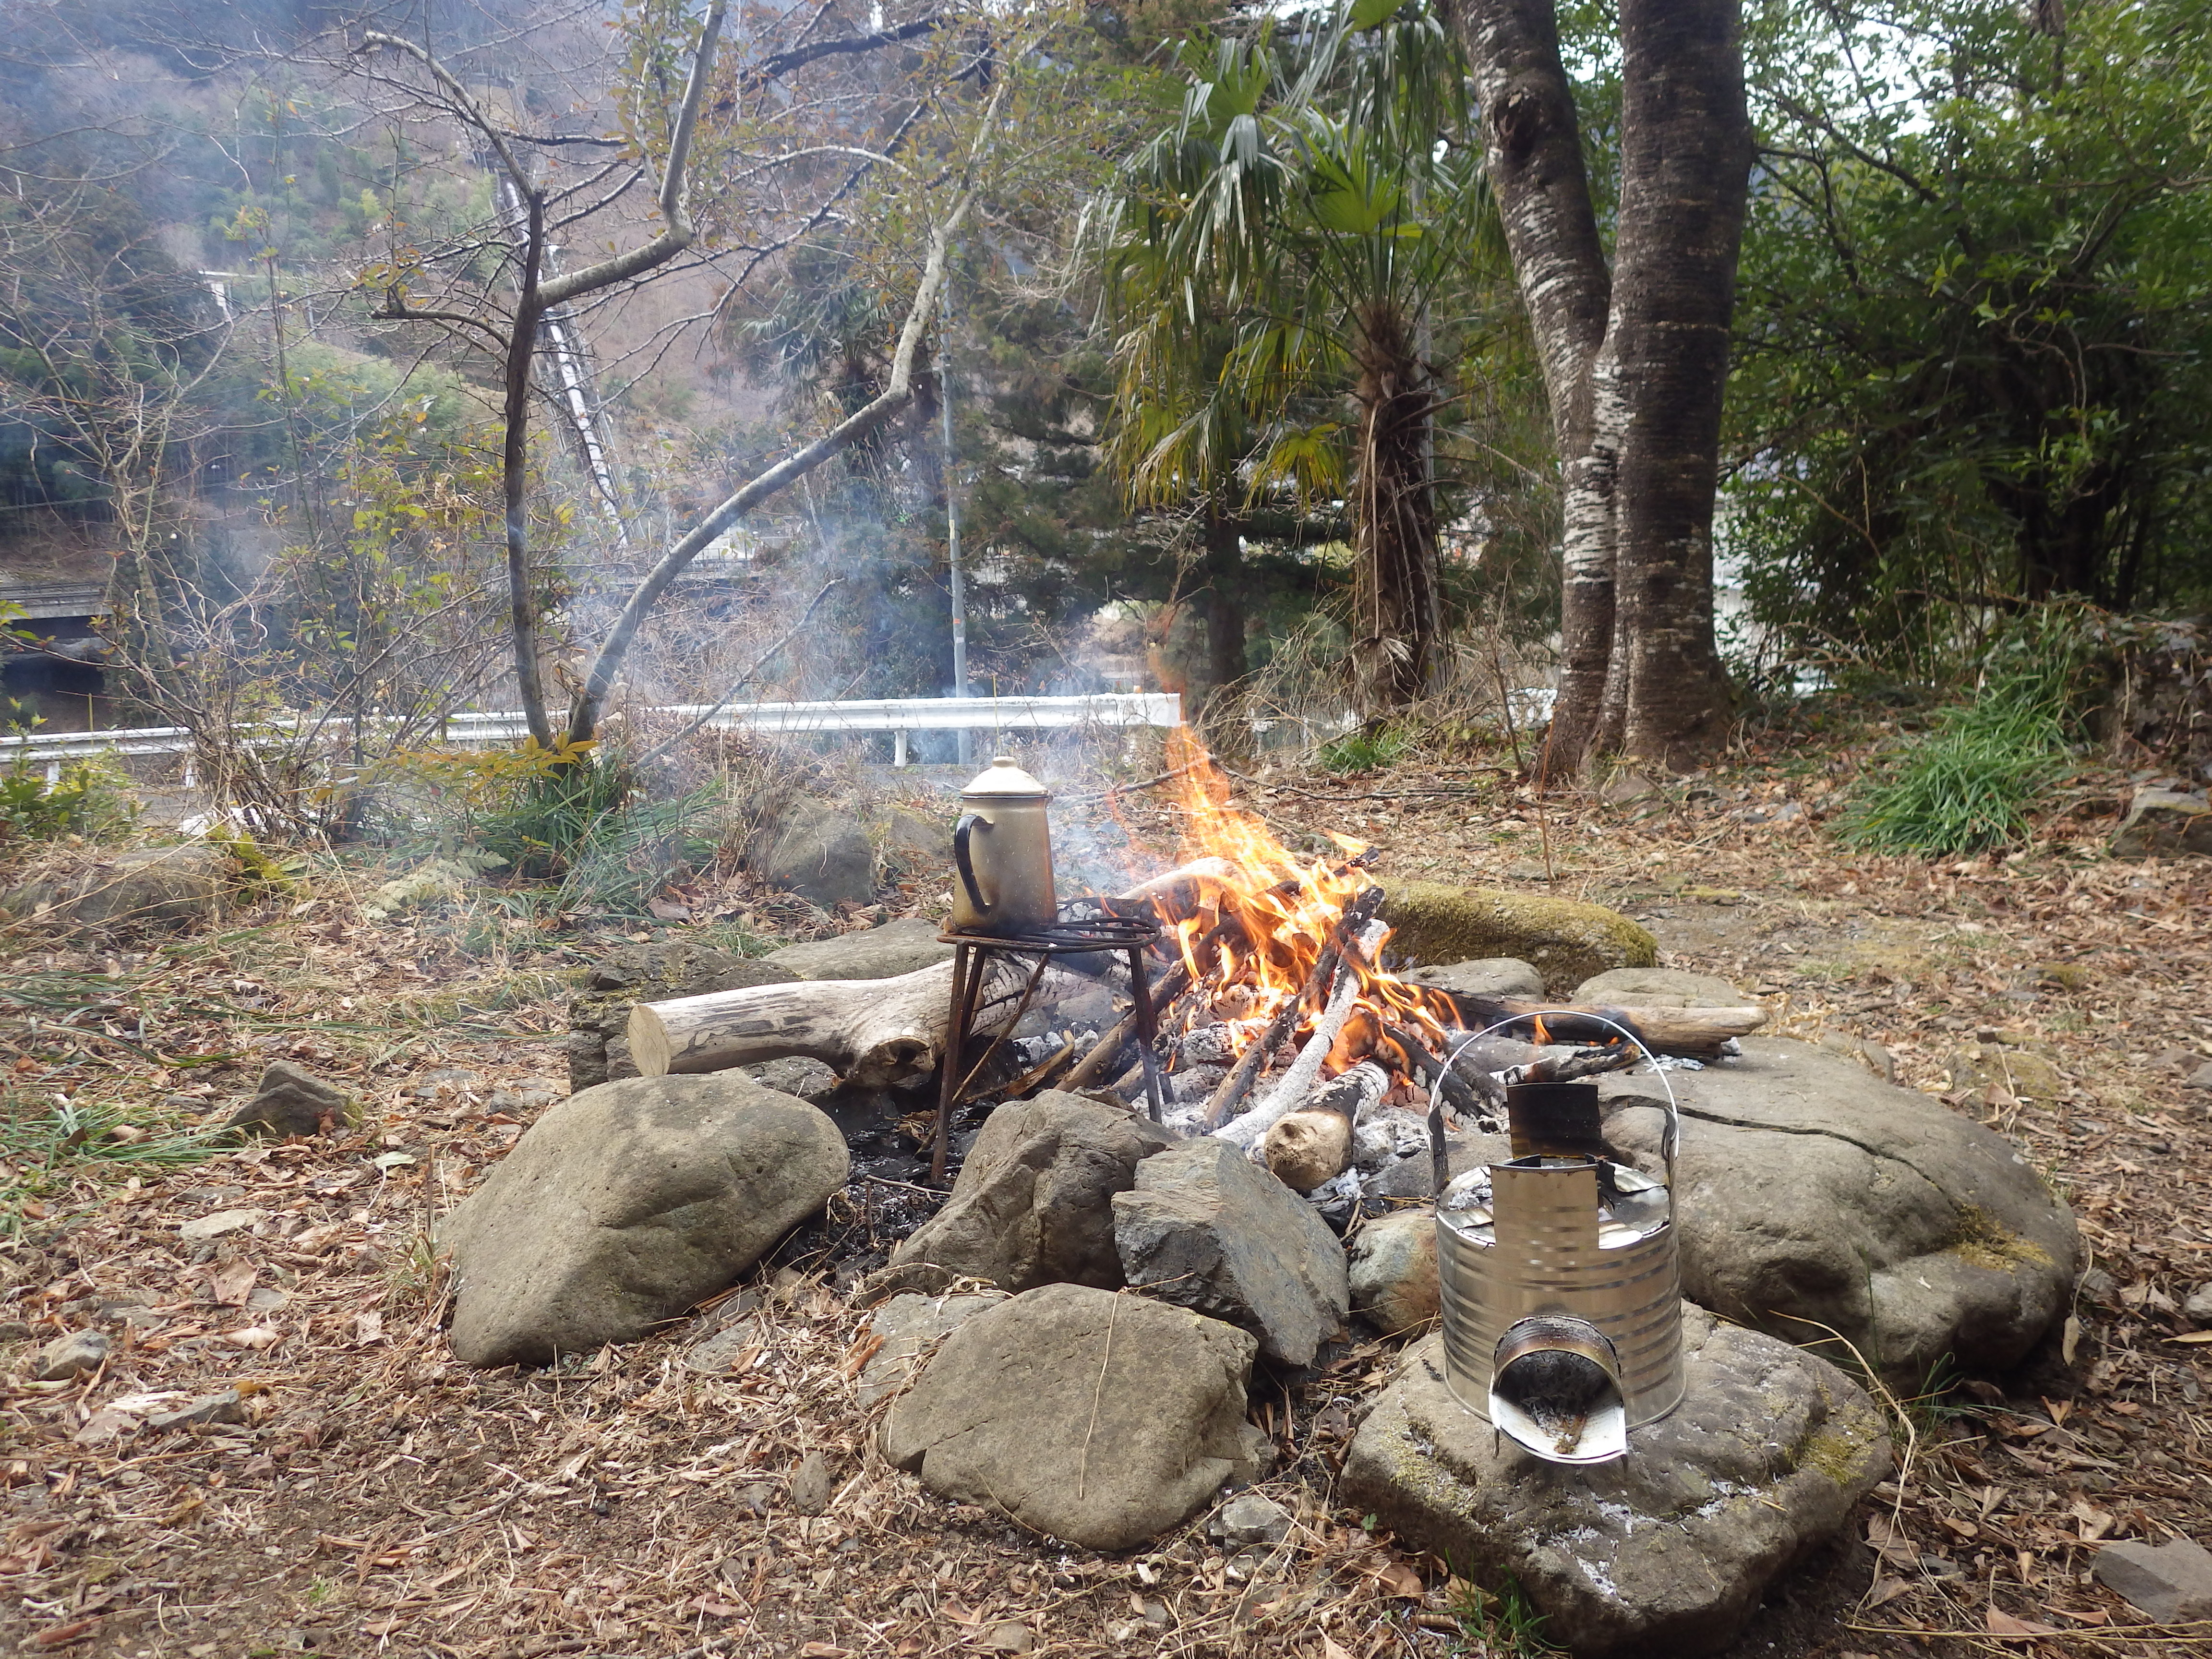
380,1497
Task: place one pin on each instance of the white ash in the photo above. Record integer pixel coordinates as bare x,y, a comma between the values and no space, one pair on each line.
1195,1085
1386,1135
1337,1190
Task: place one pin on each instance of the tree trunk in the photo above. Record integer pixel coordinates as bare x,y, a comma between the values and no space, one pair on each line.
1393,651
1224,600
1685,165
514,467
1533,149
1634,359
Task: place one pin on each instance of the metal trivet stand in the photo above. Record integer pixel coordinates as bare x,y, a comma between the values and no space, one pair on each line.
1130,934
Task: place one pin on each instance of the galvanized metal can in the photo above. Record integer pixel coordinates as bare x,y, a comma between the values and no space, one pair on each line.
1542,1253
1556,1237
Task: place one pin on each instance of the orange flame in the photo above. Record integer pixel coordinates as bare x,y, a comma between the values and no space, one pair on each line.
1252,918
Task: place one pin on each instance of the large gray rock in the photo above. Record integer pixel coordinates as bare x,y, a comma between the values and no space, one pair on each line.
812,848
1490,976
1032,1204
656,971
154,886
1659,988
1808,1190
2165,821
626,1203
898,947
1667,1550
1102,1419
1207,1229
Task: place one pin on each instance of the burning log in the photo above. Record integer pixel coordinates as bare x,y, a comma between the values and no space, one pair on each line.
1458,1093
1181,890
1567,1068
1318,990
1291,1090
870,1031
1313,1143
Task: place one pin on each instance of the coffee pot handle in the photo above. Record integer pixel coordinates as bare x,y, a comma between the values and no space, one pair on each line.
969,821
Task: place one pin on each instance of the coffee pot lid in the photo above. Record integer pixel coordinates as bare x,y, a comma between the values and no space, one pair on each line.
1005,780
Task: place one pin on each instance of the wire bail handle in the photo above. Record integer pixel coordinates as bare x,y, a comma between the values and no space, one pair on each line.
1439,1161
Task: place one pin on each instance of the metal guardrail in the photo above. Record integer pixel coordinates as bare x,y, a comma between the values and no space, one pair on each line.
897,716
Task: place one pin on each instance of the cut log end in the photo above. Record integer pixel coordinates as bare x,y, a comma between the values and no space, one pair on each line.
1307,1148
649,1046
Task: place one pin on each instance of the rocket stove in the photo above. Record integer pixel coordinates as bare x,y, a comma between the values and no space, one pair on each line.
1560,1284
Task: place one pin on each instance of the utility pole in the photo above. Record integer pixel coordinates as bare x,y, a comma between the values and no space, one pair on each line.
952,521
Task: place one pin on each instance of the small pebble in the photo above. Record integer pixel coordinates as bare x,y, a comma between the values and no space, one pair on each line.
70,1356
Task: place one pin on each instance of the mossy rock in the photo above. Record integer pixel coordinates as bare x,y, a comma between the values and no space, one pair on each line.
1566,941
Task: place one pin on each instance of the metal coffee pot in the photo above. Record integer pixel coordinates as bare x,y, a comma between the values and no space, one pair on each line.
1003,848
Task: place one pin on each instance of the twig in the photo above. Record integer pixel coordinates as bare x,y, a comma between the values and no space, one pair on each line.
1173,983
1401,794
1109,793
1098,1393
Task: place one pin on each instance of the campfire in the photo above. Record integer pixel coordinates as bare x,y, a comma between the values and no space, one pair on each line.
1277,1026
1279,959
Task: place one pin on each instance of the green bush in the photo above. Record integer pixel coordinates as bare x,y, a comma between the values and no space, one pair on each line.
86,799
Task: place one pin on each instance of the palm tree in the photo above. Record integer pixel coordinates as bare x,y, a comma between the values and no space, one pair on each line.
1287,251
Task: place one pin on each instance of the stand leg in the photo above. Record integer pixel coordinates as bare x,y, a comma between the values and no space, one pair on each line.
956,1050
1141,997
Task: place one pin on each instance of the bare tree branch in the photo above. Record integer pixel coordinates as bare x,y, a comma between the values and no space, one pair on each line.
896,396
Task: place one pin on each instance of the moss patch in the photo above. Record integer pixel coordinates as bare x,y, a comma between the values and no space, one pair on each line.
1565,941
1982,1242
1832,1452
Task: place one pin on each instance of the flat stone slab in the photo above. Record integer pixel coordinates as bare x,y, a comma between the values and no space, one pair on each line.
1666,1551
1489,976
2170,1582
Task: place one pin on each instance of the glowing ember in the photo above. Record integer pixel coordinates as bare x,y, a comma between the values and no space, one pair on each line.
1252,919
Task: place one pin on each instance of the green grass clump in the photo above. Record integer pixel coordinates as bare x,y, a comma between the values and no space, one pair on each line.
585,824
1369,750
1503,1621
46,1144
1967,784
